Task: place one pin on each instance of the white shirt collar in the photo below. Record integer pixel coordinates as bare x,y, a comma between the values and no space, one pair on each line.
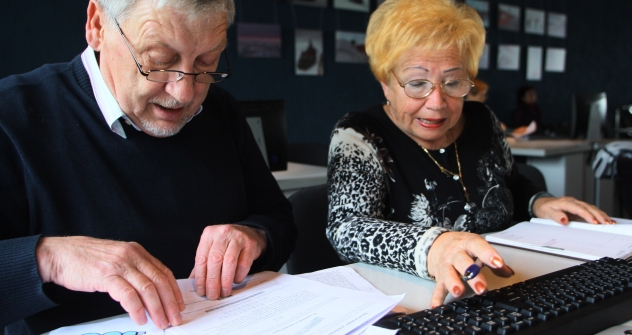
108,105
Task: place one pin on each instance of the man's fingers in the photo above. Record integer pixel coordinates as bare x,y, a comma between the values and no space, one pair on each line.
229,267
121,291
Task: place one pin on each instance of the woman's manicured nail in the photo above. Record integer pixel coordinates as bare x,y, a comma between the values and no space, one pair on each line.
456,291
479,287
497,262
564,220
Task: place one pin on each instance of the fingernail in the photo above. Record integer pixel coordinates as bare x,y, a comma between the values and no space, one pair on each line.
510,269
225,293
199,290
432,306
613,222
479,287
595,221
497,262
564,220
176,319
456,291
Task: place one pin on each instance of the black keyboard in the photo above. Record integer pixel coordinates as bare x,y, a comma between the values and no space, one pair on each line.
583,299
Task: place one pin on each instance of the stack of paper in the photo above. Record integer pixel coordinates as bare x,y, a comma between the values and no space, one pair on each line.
578,240
269,303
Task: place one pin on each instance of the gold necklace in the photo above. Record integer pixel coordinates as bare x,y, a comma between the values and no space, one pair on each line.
455,176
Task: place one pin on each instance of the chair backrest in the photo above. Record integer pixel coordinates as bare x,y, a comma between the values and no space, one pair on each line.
313,251
624,178
532,173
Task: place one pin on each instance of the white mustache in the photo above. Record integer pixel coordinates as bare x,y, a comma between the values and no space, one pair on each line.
169,103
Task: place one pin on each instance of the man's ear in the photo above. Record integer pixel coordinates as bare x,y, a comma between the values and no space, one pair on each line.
94,25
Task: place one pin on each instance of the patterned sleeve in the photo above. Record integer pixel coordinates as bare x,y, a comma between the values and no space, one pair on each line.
357,227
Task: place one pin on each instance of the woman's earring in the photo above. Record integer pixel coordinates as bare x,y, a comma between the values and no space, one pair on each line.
388,102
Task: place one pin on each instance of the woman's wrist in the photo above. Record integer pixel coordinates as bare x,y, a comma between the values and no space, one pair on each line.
535,197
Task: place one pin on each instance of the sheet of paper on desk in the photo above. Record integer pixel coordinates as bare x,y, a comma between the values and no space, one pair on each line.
265,303
578,240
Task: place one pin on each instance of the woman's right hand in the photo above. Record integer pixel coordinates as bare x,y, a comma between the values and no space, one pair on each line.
449,257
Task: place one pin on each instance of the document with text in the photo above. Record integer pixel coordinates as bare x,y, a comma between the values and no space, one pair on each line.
265,303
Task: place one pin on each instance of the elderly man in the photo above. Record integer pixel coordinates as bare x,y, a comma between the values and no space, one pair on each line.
116,180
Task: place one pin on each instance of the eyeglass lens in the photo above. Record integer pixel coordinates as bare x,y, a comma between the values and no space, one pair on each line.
422,88
165,76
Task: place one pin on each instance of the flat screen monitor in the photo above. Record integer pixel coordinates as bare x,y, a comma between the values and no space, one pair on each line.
266,119
588,115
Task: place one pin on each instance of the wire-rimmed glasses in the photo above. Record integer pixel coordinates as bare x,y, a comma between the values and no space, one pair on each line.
421,88
165,76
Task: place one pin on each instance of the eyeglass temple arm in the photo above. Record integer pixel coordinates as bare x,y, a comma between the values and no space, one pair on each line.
140,67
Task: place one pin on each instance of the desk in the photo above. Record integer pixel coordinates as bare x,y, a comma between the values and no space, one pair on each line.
298,176
563,164
526,264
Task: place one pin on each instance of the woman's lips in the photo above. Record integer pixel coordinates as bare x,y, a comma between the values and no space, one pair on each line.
431,123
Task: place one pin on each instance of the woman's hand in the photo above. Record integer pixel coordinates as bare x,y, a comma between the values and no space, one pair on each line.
564,209
451,254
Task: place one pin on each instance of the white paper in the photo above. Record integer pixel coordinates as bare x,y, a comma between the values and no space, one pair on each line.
508,57
557,25
264,303
565,240
555,59
341,276
534,63
534,21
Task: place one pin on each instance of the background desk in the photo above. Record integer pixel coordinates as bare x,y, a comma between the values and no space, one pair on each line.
526,264
563,164
298,176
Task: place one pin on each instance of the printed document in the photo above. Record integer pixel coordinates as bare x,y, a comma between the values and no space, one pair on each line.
265,303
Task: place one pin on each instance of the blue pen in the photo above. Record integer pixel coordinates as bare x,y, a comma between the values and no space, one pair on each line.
473,270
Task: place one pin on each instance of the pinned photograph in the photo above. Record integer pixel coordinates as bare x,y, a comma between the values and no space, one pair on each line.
308,52
357,5
350,47
508,57
534,21
508,17
482,7
483,63
313,3
555,59
557,25
534,63
256,40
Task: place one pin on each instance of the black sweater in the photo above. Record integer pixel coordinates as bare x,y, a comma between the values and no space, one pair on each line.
64,172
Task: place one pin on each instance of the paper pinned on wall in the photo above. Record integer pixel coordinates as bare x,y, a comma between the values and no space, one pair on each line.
508,57
534,63
555,60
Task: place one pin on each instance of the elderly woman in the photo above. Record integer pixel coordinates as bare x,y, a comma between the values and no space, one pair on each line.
415,180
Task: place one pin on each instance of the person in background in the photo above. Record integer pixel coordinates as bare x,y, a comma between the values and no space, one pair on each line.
116,180
478,92
527,109
414,181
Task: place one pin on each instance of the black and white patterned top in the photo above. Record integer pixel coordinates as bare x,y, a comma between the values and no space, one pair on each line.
388,201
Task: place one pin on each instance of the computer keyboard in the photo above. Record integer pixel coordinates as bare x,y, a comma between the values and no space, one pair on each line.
583,299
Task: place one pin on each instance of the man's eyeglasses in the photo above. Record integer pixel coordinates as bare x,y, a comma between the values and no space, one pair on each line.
421,88
165,76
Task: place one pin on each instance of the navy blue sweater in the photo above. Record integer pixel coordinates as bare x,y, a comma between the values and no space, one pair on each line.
64,172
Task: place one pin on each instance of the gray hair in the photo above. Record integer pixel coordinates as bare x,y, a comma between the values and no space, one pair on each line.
121,10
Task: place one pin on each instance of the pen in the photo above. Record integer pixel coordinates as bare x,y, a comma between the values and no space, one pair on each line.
550,247
473,270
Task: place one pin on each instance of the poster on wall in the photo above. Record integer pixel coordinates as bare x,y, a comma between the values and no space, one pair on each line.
482,7
534,21
508,17
534,63
308,52
508,57
555,60
255,40
350,47
557,25
483,63
357,5
313,3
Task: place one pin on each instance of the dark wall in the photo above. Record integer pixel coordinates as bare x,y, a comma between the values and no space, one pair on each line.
599,57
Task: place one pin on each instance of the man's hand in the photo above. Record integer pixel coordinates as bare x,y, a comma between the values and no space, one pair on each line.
224,256
125,270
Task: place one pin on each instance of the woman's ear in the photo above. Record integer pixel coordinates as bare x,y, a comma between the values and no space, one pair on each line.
94,25
386,89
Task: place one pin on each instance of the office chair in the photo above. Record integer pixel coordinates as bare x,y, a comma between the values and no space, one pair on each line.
313,251
532,173
624,180
308,153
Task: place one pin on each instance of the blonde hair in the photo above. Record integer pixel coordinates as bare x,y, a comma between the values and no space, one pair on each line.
424,25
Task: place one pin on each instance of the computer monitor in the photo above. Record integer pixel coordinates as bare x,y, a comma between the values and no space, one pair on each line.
588,115
267,122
